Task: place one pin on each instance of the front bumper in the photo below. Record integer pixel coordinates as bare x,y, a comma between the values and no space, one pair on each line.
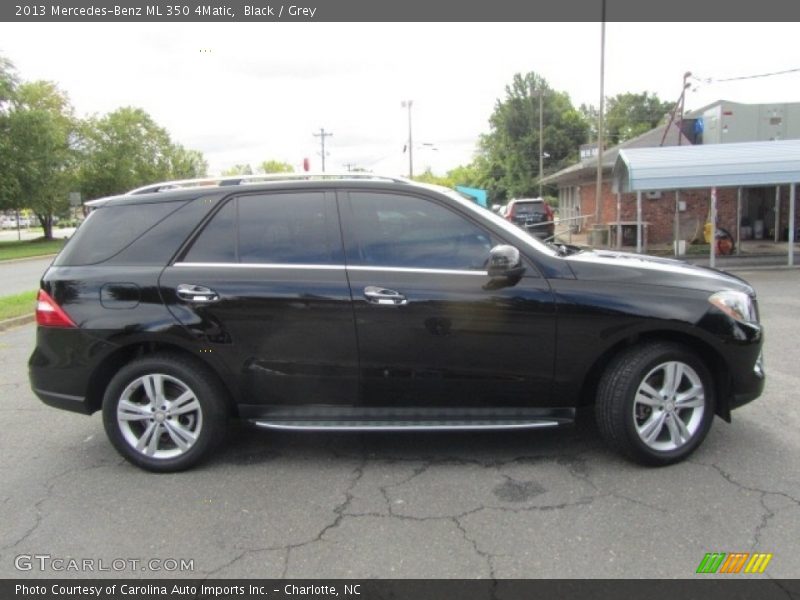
749,386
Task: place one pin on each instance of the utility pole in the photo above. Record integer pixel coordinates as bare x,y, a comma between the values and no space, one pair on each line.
539,93
407,104
678,107
349,166
322,135
541,142
598,197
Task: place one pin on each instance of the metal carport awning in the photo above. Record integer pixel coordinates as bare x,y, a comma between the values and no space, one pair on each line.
710,167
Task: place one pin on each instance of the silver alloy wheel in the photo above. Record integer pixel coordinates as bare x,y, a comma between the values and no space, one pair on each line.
159,416
669,405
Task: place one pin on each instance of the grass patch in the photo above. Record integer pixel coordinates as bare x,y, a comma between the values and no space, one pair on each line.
17,305
26,248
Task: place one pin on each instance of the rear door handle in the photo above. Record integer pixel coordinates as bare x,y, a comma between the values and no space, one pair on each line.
384,297
196,293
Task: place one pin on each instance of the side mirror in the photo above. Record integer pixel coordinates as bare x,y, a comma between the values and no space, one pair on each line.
505,262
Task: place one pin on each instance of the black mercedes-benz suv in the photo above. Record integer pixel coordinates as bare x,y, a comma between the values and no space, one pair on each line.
369,303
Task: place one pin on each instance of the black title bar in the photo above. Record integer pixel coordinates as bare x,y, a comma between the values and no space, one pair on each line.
403,10
707,587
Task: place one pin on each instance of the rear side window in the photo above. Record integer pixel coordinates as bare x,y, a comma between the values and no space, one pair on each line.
110,229
217,242
280,228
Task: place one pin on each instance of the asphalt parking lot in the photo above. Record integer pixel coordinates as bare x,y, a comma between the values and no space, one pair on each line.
505,505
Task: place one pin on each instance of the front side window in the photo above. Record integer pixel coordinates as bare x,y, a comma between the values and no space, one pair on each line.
393,230
281,228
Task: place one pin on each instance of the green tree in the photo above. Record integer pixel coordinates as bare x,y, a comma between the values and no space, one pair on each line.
123,150
629,115
8,83
590,113
187,164
427,176
239,170
40,128
468,175
275,166
508,156
8,87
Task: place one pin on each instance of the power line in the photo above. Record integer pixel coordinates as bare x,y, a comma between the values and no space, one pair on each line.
771,74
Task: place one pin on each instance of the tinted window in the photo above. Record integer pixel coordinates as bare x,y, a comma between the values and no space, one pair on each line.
158,244
529,208
406,231
217,241
286,228
107,230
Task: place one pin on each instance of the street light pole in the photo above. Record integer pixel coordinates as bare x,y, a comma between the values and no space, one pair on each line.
407,104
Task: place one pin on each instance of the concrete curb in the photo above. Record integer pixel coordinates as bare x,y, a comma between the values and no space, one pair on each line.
17,321
11,261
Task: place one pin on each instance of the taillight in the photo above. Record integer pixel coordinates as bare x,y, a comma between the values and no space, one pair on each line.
50,314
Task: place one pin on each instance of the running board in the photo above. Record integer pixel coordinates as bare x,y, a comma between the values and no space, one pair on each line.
416,425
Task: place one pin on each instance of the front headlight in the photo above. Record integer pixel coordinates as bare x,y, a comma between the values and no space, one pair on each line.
737,305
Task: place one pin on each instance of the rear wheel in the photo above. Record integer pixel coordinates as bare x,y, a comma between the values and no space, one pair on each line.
164,413
655,403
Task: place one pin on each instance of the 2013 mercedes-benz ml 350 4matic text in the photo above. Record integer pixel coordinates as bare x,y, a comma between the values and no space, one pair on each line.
369,303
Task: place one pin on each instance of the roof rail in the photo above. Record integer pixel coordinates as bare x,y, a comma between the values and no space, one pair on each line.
227,180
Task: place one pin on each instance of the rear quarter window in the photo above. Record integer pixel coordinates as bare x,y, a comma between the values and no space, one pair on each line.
110,229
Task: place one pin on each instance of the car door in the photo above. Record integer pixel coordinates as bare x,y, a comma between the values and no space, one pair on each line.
263,286
432,330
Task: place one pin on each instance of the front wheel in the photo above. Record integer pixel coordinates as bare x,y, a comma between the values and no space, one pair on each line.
164,413
655,403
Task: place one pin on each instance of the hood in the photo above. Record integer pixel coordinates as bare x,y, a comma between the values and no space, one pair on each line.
625,267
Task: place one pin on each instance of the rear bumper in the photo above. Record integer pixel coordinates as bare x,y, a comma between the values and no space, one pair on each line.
64,401
61,365
543,230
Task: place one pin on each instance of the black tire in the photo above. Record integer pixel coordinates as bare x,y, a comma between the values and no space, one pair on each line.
193,412
622,415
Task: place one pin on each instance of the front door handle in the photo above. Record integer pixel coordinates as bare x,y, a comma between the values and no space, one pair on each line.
196,293
384,297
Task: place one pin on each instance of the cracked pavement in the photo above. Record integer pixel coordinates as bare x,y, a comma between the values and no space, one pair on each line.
550,503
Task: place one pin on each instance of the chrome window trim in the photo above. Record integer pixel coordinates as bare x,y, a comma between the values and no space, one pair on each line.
415,270
215,265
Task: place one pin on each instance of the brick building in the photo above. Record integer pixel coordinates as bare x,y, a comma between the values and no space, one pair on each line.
764,209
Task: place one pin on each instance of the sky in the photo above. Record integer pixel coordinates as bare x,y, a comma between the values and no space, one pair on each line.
249,92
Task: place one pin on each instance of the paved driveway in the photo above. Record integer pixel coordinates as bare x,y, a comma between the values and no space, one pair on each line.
524,504
22,275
